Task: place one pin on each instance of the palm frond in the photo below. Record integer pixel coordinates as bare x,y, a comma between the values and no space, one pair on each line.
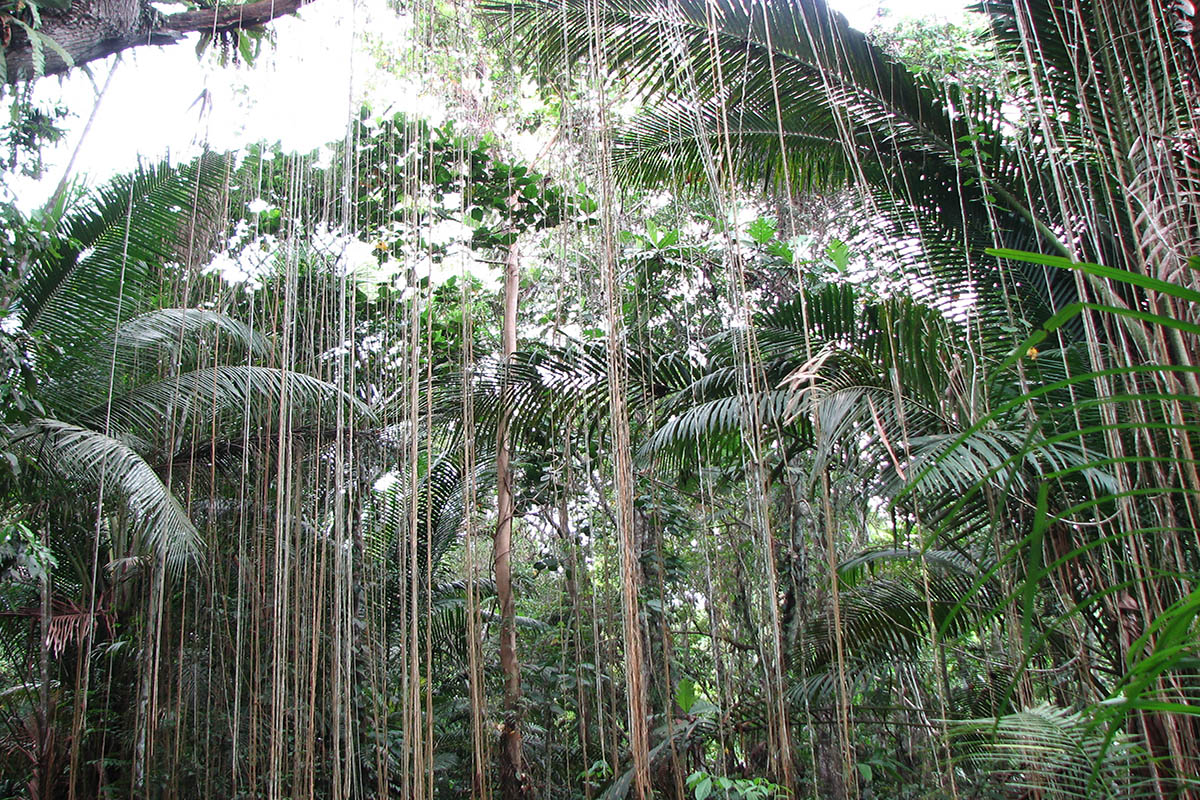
829,73
189,329
223,392
889,618
108,247
1106,472
146,343
76,454
1051,752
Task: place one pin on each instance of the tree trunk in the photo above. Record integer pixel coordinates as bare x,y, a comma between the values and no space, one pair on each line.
45,771
831,764
94,29
511,778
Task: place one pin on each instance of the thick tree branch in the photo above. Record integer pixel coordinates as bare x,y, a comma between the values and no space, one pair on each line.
95,29
228,17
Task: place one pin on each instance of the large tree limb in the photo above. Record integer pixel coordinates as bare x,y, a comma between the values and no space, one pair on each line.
94,29
231,17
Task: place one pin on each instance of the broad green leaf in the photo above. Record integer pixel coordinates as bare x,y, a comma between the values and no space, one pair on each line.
685,694
762,230
838,253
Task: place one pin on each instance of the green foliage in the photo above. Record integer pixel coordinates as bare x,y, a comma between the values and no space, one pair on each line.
952,52
971,482
705,785
498,199
685,694
1158,680
30,128
23,556
18,373
27,21
1049,751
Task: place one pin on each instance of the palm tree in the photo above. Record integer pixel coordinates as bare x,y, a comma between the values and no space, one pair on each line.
1099,164
787,95
127,388
961,433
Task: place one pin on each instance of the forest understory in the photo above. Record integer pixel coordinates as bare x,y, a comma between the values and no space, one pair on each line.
642,399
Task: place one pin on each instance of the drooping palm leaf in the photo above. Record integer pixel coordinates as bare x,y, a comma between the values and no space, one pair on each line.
111,244
1051,752
144,344
87,457
210,394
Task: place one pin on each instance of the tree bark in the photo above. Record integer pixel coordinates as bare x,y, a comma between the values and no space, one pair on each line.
95,29
511,778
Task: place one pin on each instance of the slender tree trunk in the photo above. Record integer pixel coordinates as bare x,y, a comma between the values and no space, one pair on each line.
44,771
511,783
